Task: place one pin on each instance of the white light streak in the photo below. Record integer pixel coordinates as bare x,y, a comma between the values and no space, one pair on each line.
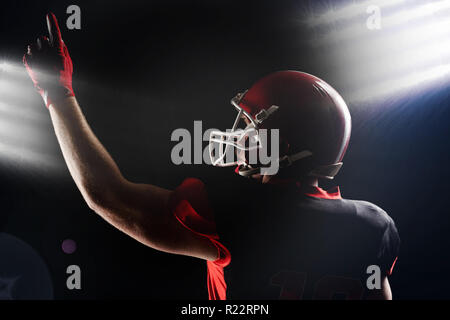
350,11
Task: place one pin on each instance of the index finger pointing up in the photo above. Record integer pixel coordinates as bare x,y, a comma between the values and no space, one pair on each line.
53,30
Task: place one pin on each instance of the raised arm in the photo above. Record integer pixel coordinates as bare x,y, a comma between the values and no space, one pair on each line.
141,211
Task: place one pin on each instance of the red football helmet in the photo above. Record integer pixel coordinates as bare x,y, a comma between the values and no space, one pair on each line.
313,121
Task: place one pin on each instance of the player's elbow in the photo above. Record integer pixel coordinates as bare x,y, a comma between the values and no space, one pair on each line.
97,201
100,199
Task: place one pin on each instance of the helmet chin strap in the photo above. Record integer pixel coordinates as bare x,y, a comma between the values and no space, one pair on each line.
283,162
324,172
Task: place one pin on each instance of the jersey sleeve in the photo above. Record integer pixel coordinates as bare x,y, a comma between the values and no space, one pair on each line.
389,248
190,206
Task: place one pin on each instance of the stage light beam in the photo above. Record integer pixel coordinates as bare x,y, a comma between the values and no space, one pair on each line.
349,12
411,50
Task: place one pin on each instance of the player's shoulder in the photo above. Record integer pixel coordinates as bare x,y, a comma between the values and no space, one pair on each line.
371,213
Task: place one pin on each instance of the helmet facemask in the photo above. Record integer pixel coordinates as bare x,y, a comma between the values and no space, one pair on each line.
229,148
239,146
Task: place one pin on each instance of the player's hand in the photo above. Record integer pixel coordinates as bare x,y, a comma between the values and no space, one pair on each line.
49,65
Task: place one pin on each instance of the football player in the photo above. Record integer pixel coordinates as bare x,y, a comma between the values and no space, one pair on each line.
286,237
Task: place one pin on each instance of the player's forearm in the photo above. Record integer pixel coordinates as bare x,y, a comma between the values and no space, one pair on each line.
92,168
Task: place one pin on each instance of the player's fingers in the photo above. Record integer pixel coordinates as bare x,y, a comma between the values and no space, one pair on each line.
24,59
38,44
43,43
31,49
27,57
53,30
68,61
65,50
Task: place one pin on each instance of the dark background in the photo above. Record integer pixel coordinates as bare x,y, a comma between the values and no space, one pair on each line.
143,69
